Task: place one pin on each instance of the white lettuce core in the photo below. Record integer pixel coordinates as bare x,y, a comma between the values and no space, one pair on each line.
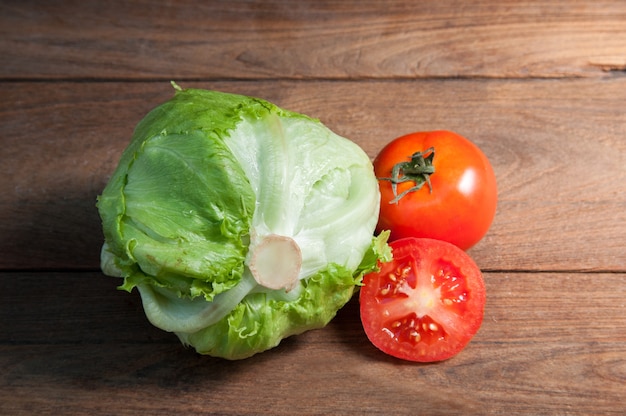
275,262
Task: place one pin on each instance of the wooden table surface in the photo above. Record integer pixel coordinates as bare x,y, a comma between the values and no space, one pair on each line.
539,86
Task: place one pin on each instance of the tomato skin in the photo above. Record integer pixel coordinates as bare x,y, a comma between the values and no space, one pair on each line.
426,304
460,203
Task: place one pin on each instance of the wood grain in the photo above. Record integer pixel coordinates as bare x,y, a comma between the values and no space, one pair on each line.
311,39
545,347
560,161
538,85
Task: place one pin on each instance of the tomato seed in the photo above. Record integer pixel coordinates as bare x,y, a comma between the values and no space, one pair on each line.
405,272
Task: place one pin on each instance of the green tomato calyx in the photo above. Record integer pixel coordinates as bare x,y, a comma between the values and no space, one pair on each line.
418,169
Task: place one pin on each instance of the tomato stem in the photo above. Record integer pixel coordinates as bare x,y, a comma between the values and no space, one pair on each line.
418,169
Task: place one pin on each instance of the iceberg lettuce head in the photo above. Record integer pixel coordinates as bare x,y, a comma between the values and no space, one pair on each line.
239,223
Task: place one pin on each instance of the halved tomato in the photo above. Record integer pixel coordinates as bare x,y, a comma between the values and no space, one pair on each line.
424,305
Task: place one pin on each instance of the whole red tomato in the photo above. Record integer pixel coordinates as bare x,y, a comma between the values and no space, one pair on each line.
438,185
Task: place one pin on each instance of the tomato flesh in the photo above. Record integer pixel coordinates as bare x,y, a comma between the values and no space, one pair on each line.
426,304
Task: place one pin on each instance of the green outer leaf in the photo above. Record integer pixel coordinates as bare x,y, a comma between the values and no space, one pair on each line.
259,322
153,216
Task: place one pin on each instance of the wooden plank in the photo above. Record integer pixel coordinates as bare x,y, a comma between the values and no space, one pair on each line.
551,343
72,308
557,147
59,144
311,39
